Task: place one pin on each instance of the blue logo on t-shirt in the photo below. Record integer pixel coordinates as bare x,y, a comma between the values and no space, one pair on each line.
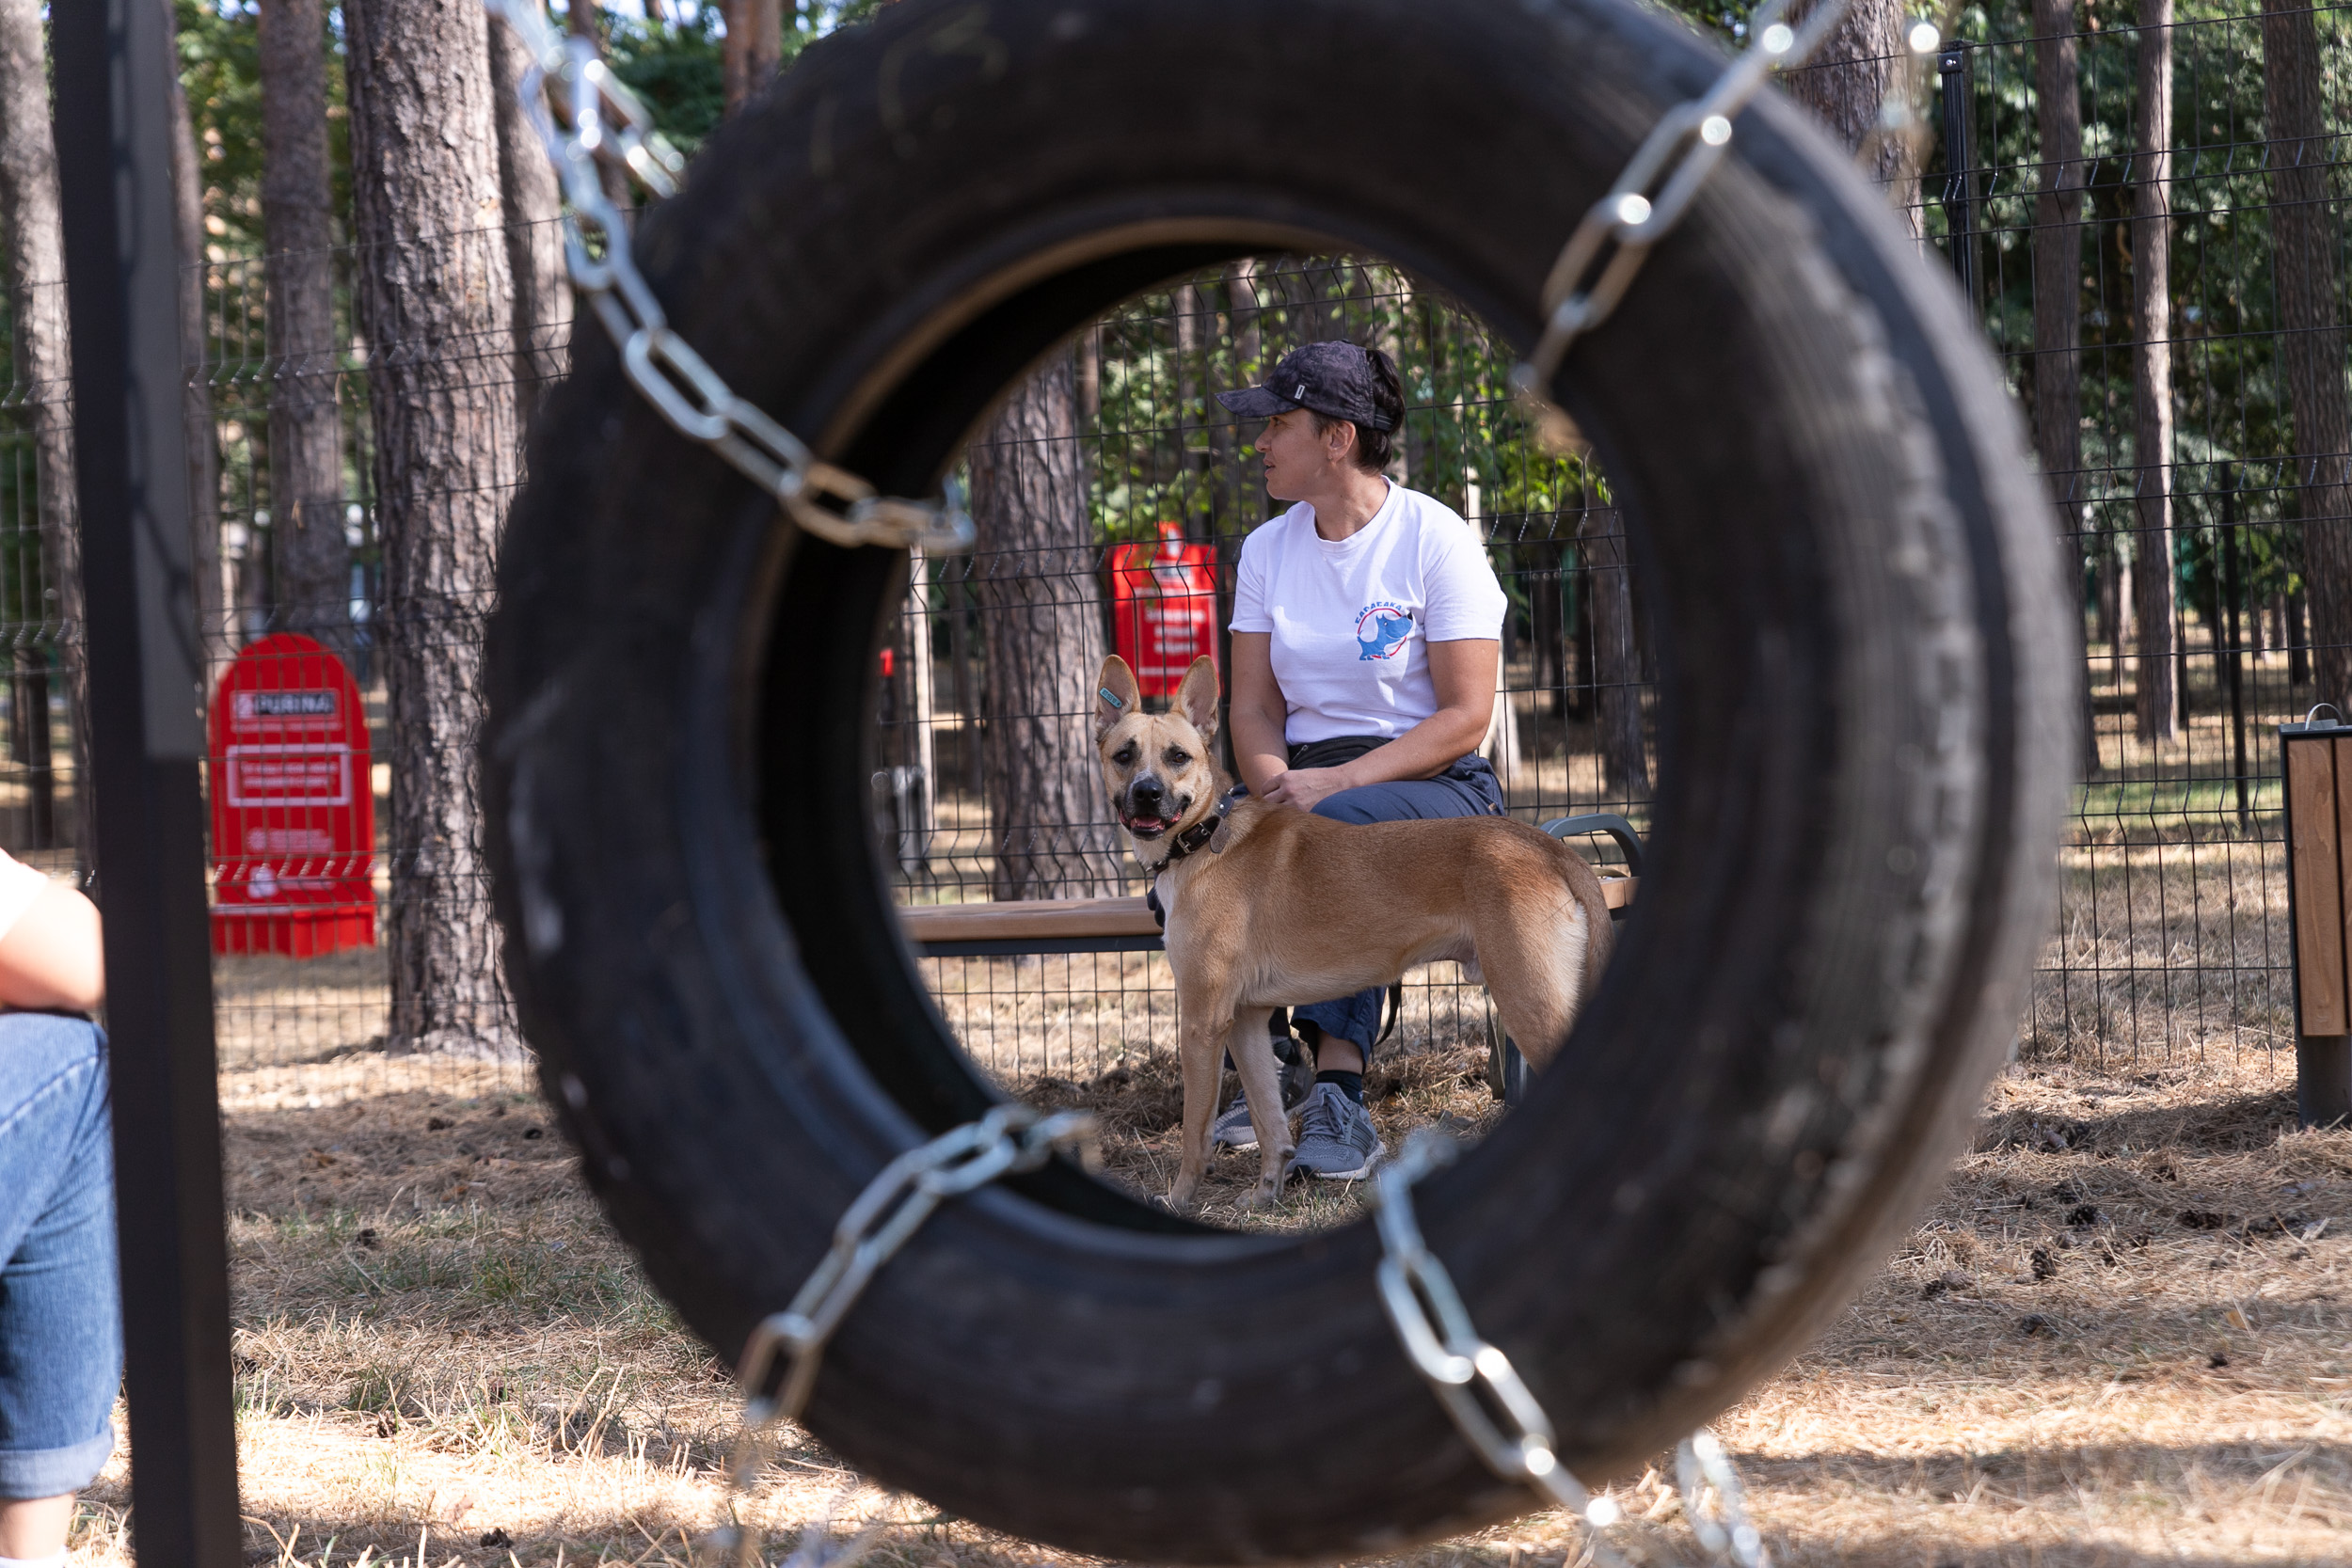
1387,625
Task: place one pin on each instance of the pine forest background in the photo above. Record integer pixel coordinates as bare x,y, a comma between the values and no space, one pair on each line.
2145,201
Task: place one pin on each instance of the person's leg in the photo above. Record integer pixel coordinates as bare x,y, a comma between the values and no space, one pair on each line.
34,1530
1343,1030
60,1319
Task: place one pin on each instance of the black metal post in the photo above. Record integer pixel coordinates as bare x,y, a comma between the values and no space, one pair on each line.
113,60
1960,171
2233,591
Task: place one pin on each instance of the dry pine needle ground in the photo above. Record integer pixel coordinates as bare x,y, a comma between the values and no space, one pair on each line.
2120,1338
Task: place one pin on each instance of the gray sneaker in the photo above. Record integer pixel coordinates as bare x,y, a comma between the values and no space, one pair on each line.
1233,1129
1335,1137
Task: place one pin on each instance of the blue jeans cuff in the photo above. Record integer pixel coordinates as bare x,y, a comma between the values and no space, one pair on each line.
29,1473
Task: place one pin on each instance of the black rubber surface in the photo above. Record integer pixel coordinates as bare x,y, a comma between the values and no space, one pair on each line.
1863,747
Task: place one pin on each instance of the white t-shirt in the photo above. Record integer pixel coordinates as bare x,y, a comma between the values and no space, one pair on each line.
1351,619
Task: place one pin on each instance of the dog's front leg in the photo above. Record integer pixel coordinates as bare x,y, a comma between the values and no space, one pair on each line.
1200,1050
1261,1081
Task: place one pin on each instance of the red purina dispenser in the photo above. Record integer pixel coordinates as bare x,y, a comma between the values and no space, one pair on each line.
294,807
1164,608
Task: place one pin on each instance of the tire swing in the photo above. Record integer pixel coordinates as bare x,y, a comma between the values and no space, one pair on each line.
1864,743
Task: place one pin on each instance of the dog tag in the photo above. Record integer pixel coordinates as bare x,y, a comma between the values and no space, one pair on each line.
1224,832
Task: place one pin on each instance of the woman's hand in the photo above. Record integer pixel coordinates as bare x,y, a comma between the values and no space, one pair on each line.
1304,787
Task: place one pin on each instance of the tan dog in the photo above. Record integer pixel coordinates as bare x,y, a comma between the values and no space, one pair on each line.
1266,906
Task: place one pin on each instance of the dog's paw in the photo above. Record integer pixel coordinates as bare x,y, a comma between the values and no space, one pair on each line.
1267,1194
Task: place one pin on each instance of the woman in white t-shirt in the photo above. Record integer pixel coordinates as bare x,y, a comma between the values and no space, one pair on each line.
1367,634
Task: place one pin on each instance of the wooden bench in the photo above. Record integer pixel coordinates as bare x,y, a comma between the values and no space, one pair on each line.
1125,924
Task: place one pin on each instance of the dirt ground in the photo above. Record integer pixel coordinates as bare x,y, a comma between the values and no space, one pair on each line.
2120,1338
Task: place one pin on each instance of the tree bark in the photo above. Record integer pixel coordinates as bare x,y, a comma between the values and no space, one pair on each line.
1617,657
1846,84
2304,229
310,574
187,191
36,262
432,282
753,49
2155,701
2057,259
534,243
1042,632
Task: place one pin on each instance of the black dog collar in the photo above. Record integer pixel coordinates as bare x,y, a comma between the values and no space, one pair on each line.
1195,838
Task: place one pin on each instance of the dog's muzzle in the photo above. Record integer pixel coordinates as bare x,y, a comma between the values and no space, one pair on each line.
1148,810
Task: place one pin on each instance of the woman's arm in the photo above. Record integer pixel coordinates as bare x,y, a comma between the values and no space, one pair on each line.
1258,714
1464,674
52,957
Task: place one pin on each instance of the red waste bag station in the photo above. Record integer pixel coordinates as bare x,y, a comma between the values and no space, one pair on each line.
293,804
1164,606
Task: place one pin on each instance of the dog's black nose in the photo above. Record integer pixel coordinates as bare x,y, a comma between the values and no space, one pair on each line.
1147,792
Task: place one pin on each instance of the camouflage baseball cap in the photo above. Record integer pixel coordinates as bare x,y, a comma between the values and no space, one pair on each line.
1334,380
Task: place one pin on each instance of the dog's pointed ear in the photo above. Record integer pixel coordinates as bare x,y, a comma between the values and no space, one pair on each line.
1197,698
1116,695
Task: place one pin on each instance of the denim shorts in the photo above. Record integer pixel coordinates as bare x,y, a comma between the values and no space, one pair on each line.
60,1316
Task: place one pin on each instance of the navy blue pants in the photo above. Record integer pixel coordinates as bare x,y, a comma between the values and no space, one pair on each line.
1468,788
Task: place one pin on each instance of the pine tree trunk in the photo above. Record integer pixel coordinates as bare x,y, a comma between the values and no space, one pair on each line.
310,576
753,49
2155,701
1846,84
1616,658
36,263
2058,261
1042,631
534,243
433,283
187,192
2305,229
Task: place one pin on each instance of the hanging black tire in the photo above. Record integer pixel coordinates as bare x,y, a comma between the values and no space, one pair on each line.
1864,740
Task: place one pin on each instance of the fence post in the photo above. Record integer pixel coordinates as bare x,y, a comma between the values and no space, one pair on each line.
2317,761
2232,594
113,60
1953,77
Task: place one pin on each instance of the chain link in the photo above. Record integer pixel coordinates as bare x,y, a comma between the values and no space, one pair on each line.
1009,1139
1491,1403
606,125
1650,198
1700,1463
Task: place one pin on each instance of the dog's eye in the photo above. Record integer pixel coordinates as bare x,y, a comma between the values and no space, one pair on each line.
1177,757
1125,755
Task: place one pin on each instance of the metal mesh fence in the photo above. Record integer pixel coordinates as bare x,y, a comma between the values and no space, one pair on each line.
2199,487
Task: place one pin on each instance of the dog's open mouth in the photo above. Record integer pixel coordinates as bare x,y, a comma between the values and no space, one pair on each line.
1147,827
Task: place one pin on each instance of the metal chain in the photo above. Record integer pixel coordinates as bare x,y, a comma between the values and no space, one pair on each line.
1650,198
605,124
1700,1463
1477,1383
893,1207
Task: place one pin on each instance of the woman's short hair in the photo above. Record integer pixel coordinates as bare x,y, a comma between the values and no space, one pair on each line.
1376,449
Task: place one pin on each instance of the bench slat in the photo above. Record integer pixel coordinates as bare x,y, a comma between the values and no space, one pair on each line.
1051,919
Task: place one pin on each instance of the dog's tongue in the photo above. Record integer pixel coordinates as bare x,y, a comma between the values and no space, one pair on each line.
1147,824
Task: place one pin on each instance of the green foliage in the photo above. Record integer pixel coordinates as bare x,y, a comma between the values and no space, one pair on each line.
678,70
220,71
